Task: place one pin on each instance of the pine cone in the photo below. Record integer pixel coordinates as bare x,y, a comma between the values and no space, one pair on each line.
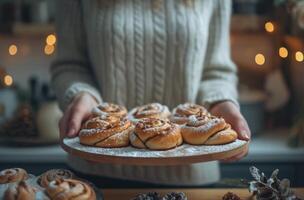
230,196
175,196
148,196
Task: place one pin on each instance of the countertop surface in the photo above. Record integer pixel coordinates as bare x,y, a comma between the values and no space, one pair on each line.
270,146
193,194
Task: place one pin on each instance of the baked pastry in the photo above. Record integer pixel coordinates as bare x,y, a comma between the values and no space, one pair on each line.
110,109
182,112
70,189
13,175
207,130
54,174
20,191
152,110
106,131
157,134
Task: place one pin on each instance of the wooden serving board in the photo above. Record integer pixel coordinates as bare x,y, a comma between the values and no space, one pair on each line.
184,154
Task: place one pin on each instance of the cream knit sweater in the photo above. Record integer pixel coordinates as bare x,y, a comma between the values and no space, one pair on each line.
133,52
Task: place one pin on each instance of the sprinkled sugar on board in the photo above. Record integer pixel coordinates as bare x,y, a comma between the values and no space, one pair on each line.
129,155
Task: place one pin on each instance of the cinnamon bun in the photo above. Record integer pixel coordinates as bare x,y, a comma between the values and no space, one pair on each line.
106,131
13,175
20,191
156,134
54,174
182,112
207,130
152,110
70,189
110,109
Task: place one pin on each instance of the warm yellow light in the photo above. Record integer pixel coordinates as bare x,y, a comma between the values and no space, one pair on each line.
12,50
49,49
8,80
299,56
283,52
269,27
259,59
50,39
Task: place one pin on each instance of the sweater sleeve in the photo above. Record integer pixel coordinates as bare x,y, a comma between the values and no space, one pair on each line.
219,78
71,72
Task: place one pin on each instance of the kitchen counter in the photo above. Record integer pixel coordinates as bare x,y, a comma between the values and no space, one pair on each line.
193,194
268,147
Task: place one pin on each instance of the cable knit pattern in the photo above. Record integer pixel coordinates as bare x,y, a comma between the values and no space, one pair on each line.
135,52
119,52
139,51
181,47
159,51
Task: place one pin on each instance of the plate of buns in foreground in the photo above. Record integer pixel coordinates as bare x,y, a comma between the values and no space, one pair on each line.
17,183
153,135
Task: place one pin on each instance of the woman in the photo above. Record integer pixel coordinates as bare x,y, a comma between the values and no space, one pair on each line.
133,52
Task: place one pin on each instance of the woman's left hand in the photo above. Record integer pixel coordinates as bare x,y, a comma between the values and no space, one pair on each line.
232,115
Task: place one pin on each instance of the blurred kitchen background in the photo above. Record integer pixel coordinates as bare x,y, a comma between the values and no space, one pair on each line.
267,46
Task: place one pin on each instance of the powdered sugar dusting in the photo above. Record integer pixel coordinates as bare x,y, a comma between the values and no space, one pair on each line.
88,132
181,151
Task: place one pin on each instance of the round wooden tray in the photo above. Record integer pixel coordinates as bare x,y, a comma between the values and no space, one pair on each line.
184,154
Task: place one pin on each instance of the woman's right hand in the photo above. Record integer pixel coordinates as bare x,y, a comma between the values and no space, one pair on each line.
77,111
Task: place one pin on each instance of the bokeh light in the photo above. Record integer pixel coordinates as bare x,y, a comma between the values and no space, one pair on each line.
12,50
259,59
283,52
50,39
269,27
49,49
299,56
8,80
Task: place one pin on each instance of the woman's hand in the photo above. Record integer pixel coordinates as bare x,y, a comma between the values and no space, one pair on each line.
230,112
77,111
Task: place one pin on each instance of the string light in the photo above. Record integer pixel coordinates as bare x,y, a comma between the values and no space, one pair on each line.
49,49
8,80
283,52
299,56
269,27
259,59
50,39
12,50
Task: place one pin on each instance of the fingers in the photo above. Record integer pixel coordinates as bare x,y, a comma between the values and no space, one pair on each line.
232,115
63,123
78,115
240,125
75,114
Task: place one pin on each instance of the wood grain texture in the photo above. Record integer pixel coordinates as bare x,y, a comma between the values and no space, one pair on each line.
192,194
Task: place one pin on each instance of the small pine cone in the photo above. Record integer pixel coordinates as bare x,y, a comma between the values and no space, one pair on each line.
148,196
230,196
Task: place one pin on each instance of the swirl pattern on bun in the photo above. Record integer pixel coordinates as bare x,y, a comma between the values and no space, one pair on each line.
70,189
208,130
106,131
110,109
152,110
54,174
181,114
156,134
13,175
